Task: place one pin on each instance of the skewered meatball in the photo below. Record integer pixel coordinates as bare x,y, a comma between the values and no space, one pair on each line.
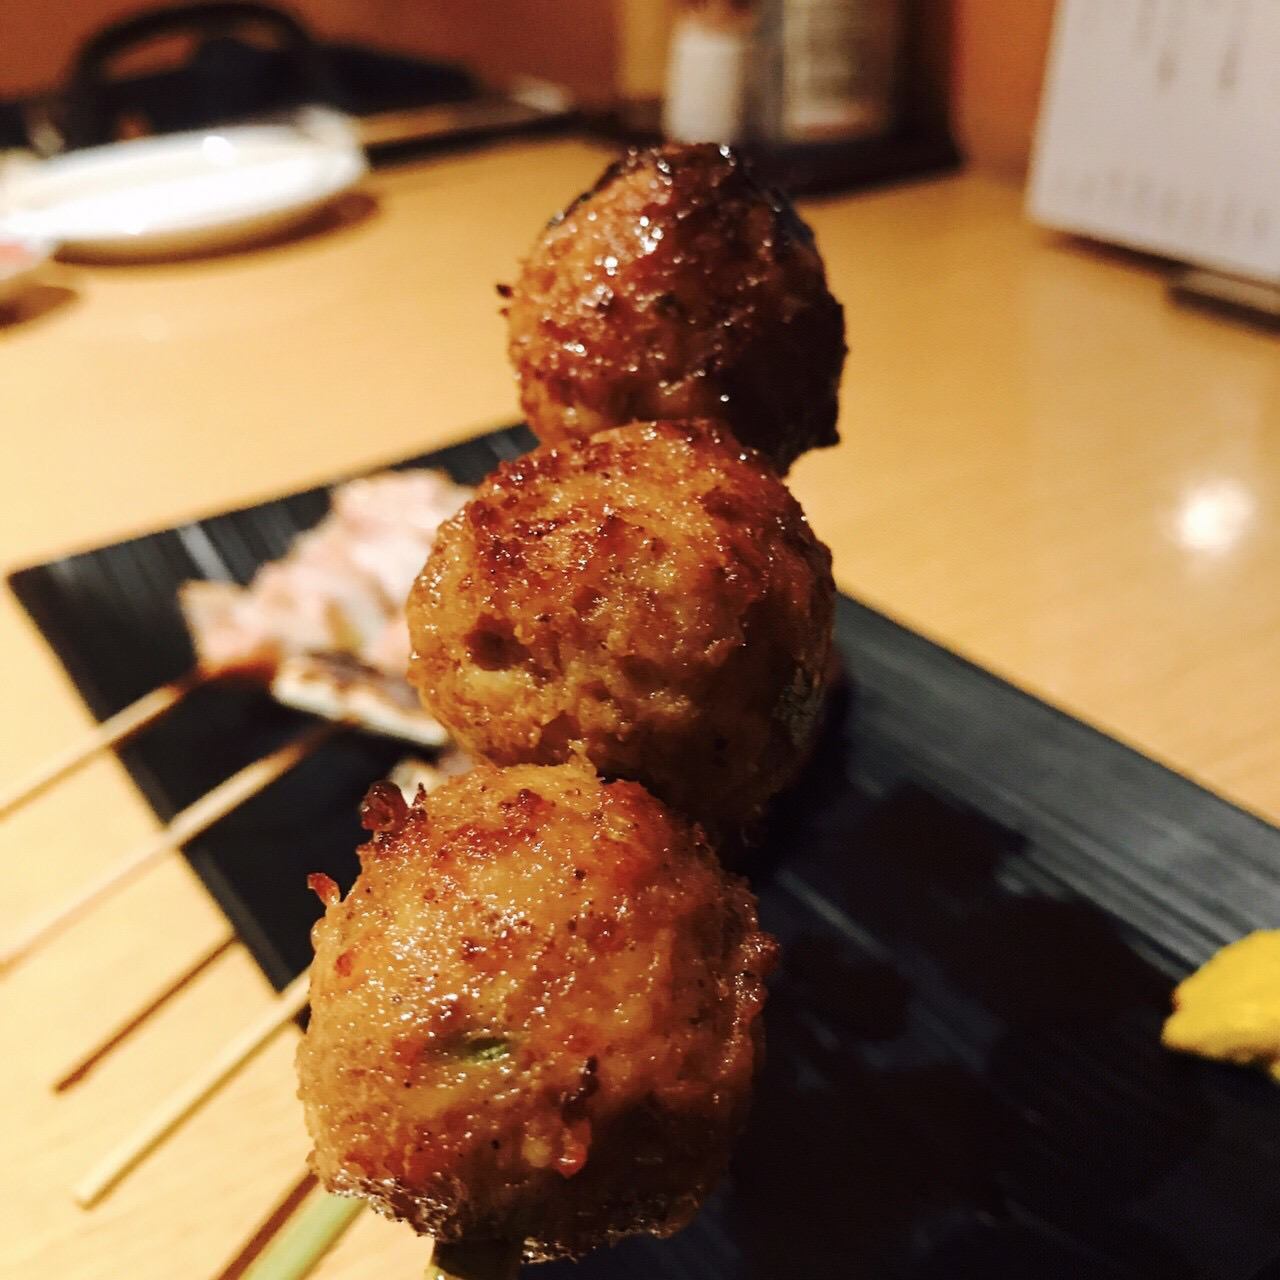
678,287
534,1017
652,597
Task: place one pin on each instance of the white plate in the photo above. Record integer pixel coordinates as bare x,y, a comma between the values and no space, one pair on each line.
185,192
21,257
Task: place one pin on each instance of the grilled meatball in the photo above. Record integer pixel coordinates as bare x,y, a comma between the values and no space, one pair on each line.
678,287
652,597
534,1017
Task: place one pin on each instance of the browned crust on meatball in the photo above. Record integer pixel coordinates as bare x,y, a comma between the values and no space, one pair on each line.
652,597
679,287
534,1015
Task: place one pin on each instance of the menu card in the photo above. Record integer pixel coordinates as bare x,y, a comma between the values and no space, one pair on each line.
1160,130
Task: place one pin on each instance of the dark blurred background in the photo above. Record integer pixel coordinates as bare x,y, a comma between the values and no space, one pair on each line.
983,58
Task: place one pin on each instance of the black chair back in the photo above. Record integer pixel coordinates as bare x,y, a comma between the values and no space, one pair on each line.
247,59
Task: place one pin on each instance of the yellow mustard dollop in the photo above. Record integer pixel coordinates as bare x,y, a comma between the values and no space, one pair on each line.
1230,1008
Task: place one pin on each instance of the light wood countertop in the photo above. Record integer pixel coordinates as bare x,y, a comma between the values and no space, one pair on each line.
1047,466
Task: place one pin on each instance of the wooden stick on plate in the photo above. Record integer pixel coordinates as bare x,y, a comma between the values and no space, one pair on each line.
408,774
269,1227
188,824
188,1099
304,1239
91,1058
111,732
310,1229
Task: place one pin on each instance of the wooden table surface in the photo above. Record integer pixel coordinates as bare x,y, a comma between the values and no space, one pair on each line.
1046,466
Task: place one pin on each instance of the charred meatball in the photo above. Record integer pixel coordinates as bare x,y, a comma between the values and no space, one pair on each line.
534,1017
678,287
652,597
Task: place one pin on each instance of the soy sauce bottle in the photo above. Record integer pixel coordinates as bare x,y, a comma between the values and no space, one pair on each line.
825,94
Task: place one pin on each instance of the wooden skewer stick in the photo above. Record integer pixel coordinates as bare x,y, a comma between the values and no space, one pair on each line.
187,1100
305,1225
297,1248
88,1061
185,826
112,731
280,1214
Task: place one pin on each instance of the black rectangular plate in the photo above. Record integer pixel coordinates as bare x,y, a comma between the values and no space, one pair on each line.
983,905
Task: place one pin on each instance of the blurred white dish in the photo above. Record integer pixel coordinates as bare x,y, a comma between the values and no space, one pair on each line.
185,192
20,258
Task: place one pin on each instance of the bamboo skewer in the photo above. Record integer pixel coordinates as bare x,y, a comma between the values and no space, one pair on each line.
110,733
272,1223
188,824
409,773
188,1099
306,1224
88,1061
296,1250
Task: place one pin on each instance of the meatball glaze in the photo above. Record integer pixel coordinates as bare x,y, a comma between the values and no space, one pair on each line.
678,287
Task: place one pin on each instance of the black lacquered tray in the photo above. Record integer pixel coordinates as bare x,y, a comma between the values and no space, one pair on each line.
983,905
